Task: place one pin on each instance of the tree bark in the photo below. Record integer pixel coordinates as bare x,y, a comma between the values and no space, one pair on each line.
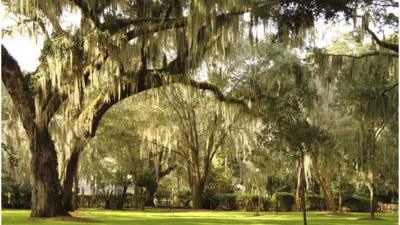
149,198
76,193
325,185
197,180
298,190
340,190
372,199
72,168
303,189
46,194
197,194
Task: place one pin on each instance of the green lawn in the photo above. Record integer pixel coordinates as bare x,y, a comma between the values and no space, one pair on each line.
160,217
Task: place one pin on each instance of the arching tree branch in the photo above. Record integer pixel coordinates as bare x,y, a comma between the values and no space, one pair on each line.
13,80
391,46
367,54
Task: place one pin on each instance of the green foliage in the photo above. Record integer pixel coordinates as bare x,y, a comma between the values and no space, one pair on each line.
11,156
183,198
219,181
283,200
227,201
247,202
347,188
315,202
99,201
15,195
146,179
358,204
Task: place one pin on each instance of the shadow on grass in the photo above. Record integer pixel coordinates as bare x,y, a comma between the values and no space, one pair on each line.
157,217
68,219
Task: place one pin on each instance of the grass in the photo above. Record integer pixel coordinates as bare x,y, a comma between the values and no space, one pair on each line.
165,217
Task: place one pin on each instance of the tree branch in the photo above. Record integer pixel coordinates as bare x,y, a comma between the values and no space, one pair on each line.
367,54
89,120
391,46
215,90
152,28
389,89
12,78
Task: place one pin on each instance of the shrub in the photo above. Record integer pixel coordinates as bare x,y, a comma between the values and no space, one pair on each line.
162,198
315,202
267,204
357,204
227,201
247,202
210,200
183,198
16,196
284,201
347,188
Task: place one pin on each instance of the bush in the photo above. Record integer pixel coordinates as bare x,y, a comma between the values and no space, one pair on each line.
210,200
316,202
183,198
267,205
357,204
16,196
227,201
347,188
162,198
284,201
99,201
247,202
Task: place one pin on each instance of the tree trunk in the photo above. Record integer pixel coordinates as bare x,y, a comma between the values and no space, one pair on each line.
149,197
372,199
122,199
46,199
46,188
340,191
108,197
76,193
197,194
303,189
325,185
298,191
72,168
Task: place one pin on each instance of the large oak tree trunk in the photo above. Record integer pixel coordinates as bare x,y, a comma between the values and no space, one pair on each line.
46,189
196,180
71,173
197,194
46,196
76,193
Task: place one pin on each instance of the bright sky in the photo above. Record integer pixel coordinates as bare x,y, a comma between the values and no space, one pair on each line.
26,50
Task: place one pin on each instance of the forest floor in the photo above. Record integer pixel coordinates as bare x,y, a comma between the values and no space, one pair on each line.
189,217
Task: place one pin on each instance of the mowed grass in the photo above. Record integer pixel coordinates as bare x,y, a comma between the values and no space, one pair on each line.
165,217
